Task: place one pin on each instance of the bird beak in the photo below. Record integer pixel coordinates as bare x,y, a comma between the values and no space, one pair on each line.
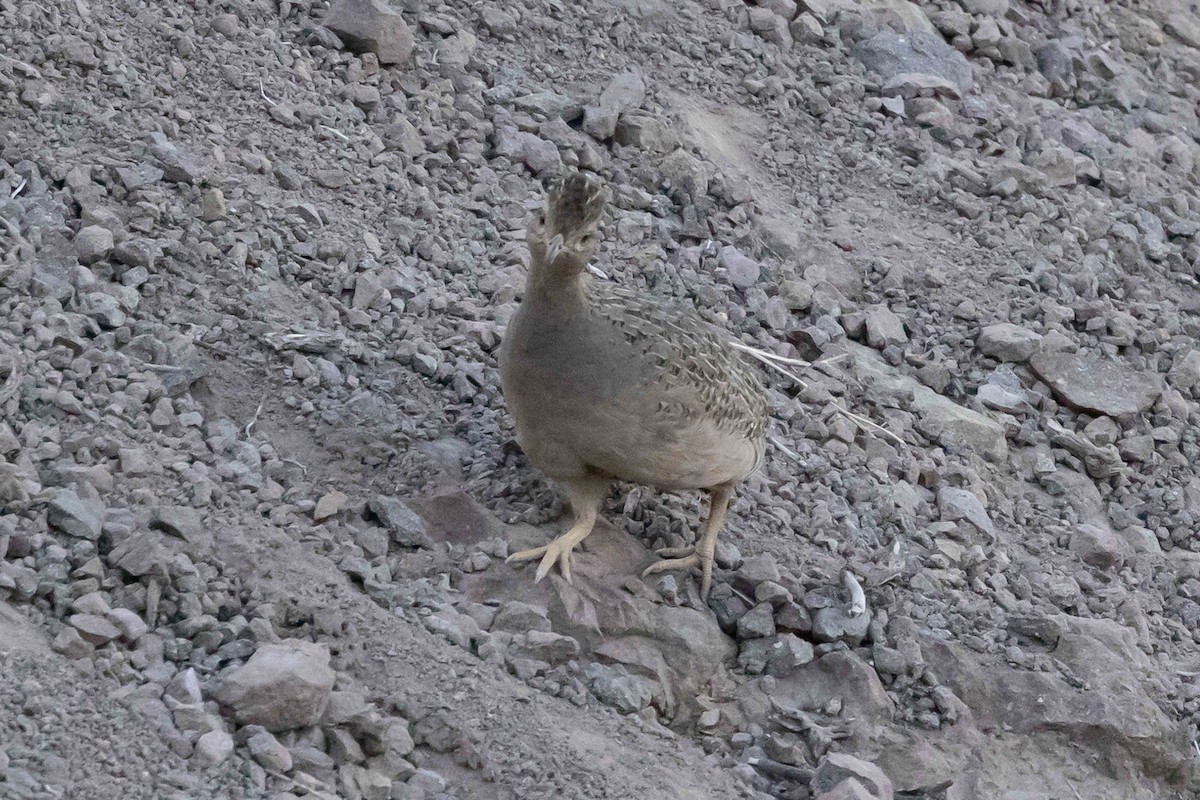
553,248
599,273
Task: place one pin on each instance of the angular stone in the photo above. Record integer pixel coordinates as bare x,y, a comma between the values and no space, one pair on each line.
615,687
1185,372
406,527
329,504
844,676
1098,546
132,626
517,617
884,328
71,644
282,686
1008,342
552,648
838,767
742,270
213,748
1097,386
371,26
758,622
93,243
916,84
181,521
72,516
956,504
836,624
624,92
849,789
94,629
267,751
142,554
891,54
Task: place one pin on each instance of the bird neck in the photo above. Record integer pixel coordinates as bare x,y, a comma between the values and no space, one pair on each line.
556,289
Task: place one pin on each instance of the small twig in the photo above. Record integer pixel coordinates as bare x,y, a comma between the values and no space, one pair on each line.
858,600
17,191
336,132
857,419
303,469
263,92
782,447
778,359
254,419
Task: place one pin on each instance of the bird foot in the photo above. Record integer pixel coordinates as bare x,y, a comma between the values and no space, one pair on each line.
557,552
686,558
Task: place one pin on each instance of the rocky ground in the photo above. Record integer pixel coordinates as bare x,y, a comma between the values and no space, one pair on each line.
257,481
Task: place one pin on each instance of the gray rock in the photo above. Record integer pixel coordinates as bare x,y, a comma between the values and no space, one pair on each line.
776,655
1185,371
70,643
891,54
282,686
213,748
742,270
770,26
267,751
406,527
142,554
960,504
794,618
758,569
517,617
1008,342
184,688
93,243
1001,399
1097,386
212,205
884,328
550,105
624,92
131,626
181,521
836,624
552,648
1098,546
838,767
72,516
371,26
758,622
615,687
920,84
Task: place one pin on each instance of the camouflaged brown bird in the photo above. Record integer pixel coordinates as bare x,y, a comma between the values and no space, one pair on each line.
605,384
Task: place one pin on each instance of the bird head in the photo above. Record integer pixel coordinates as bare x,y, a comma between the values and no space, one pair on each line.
567,224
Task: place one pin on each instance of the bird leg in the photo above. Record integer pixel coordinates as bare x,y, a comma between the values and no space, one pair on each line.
586,496
700,556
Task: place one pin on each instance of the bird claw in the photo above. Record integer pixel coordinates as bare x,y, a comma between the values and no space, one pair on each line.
692,560
556,552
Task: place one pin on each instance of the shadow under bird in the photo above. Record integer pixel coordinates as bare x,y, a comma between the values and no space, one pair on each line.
605,384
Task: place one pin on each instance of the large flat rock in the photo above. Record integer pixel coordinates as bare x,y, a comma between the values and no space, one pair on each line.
1097,386
614,616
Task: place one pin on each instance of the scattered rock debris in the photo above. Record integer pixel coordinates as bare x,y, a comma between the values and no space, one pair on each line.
257,481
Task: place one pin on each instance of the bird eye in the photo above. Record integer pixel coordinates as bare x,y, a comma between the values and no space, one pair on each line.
587,239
